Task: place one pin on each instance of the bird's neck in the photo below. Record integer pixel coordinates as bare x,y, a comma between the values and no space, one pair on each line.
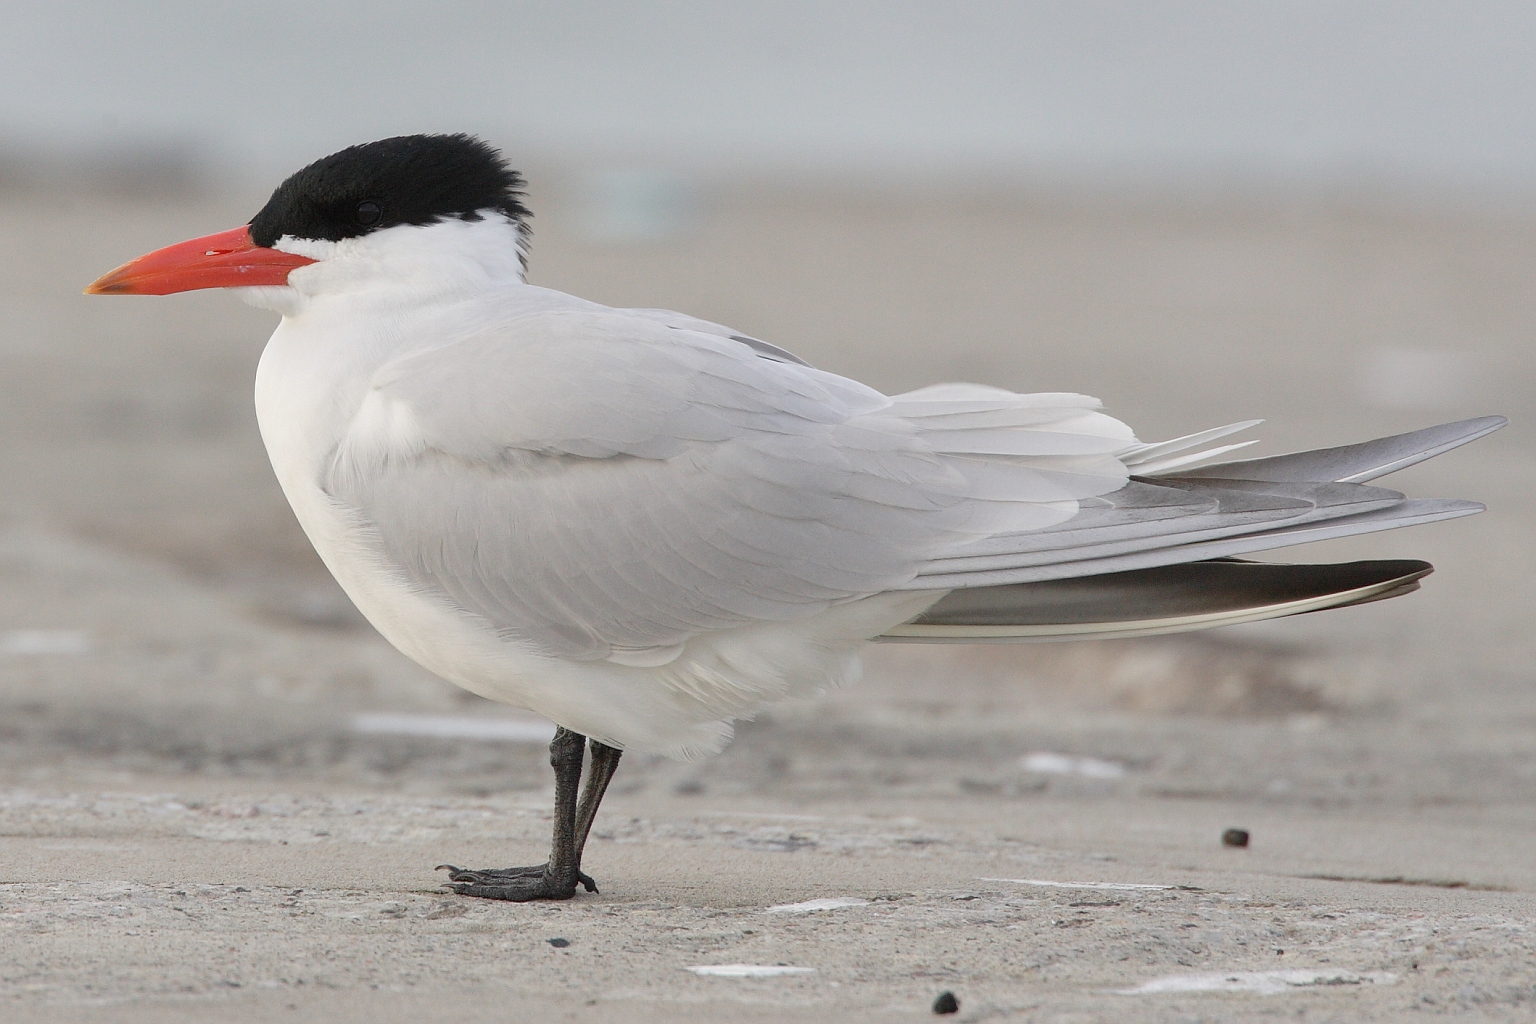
409,266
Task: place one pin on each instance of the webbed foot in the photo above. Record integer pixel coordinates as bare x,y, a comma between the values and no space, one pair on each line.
558,877
463,881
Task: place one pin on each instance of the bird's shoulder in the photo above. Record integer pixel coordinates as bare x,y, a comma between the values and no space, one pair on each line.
527,321
551,373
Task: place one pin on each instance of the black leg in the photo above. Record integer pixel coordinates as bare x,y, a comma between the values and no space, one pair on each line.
605,761
556,879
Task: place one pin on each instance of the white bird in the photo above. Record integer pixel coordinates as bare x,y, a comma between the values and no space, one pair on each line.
643,526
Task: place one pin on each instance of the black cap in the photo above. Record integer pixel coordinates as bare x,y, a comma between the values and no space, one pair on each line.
410,179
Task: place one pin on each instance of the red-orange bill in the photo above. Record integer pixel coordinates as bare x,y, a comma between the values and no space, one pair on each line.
228,259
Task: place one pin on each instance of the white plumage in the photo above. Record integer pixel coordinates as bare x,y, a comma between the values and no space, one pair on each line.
642,525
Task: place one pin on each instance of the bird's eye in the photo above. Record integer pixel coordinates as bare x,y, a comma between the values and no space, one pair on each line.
369,213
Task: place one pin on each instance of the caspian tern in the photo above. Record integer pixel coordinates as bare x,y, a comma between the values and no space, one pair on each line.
643,526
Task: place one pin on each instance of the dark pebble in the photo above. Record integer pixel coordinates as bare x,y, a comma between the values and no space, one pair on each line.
1235,837
559,943
946,1003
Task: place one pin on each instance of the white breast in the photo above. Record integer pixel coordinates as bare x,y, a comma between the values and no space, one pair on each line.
318,410
314,404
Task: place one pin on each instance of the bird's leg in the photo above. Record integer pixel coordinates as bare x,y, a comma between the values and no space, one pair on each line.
557,878
605,761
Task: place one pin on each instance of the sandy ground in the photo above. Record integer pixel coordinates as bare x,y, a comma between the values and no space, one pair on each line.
192,829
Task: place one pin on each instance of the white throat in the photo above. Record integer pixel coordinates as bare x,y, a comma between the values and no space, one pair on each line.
406,264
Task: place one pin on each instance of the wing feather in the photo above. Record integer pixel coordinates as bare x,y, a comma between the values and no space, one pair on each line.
1412,512
599,482
1358,463
604,483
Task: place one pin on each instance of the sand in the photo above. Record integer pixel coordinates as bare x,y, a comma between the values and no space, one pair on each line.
191,828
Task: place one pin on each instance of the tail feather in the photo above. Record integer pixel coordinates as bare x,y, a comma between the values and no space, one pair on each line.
1356,463
1218,511
1206,510
1139,455
1146,602
1157,555
1412,512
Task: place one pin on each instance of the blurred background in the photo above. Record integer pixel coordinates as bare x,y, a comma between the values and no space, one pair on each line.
1322,214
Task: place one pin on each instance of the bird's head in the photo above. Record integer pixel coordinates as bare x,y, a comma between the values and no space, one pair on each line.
414,212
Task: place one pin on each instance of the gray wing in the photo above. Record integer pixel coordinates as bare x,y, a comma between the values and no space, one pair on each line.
1357,463
605,483
1219,511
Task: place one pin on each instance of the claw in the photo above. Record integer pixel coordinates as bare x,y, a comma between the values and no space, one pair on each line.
458,874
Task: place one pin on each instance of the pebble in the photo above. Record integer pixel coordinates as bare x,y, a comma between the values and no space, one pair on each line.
559,943
1235,837
946,1003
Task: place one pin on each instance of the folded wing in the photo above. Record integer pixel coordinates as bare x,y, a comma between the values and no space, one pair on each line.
606,485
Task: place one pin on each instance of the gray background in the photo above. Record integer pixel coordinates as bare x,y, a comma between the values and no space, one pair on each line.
1436,92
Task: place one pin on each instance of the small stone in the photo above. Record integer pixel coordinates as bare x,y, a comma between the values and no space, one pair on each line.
946,1003
1235,837
559,943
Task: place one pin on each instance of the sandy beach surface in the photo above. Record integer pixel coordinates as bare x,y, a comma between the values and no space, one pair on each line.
196,824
